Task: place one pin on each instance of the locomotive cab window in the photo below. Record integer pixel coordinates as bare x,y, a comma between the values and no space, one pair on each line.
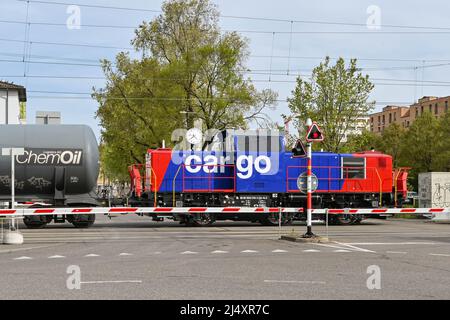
353,168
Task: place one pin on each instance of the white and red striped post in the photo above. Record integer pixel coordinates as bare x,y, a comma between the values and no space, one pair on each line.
309,232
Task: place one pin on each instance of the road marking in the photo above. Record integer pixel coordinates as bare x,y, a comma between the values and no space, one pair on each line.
219,251
157,252
397,252
23,258
92,255
355,248
56,257
188,252
294,281
249,251
341,250
112,281
440,254
279,251
24,249
311,250
125,254
388,243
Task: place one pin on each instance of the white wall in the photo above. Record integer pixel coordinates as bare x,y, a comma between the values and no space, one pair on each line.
13,107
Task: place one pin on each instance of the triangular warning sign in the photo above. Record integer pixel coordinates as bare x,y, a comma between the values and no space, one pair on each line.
314,133
299,150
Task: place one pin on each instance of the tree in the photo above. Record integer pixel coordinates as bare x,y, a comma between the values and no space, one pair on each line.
442,162
391,142
336,97
188,69
207,65
364,141
421,145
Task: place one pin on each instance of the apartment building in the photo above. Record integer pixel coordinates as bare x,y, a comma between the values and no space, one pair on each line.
405,115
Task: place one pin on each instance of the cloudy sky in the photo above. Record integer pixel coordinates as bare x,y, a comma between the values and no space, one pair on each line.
402,45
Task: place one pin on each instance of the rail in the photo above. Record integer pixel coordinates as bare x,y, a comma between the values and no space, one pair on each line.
342,182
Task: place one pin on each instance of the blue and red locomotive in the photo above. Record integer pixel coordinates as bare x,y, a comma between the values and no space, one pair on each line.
253,169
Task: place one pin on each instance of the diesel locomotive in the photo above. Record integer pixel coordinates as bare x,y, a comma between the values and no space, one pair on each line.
254,169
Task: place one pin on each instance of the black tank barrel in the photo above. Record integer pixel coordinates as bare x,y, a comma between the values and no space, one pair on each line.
58,158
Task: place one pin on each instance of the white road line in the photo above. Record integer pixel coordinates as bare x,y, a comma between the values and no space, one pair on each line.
92,255
388,243
331,246
112,281
157,252
341,250
56,257
219,251
125,254
23,258
249,251
24,249
355,248
397,252
188,252
440,254
294,281
311,250
279,251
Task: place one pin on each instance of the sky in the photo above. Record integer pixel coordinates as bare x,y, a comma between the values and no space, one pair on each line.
402,45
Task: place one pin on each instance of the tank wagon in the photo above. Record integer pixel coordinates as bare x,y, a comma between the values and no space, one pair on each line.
59,167
248,169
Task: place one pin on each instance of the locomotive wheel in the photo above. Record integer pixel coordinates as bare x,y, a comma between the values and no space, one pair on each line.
344,219
81,220
272,219
36,222
200,220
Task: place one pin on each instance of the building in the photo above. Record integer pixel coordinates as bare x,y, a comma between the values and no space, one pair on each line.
12,103
360,124
405,115
48,117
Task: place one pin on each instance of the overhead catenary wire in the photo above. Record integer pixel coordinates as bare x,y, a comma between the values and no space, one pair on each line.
301,21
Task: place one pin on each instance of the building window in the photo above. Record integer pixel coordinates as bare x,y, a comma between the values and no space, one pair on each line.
436,108
431,107
384,119
417,112
390,117
421,109
395,116
353,168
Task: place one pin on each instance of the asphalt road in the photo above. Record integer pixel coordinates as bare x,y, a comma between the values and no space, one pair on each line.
132,257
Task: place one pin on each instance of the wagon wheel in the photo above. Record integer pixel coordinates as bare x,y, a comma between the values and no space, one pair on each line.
200,220
272,219
36,222
346,219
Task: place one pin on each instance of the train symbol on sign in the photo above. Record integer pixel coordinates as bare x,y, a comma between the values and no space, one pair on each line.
302,181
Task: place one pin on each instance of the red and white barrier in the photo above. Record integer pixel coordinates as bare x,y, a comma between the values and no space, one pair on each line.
141,210
381,211
20,212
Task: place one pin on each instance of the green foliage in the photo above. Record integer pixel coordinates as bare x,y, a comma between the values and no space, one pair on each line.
362,142
189,70
335,98
423,147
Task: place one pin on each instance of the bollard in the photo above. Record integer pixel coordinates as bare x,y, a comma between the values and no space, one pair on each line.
12,237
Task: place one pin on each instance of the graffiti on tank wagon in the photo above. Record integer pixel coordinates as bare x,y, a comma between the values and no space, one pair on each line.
441,197
6,182
39,183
